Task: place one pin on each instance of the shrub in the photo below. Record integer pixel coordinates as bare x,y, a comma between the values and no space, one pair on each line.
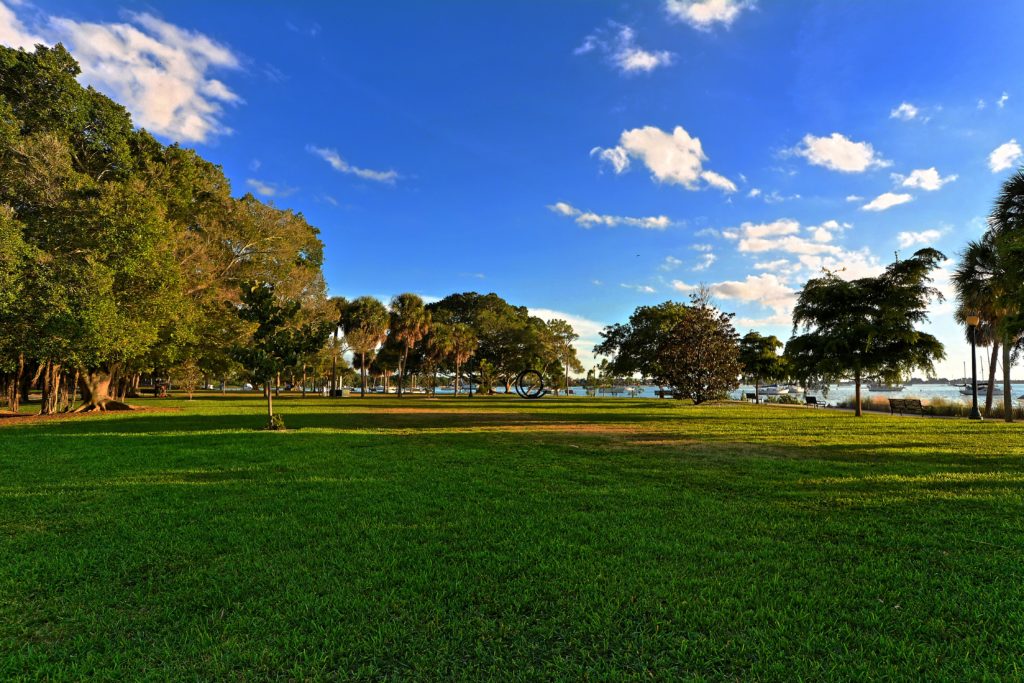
276,423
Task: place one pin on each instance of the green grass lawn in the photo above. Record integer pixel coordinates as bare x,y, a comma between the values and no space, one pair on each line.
500,538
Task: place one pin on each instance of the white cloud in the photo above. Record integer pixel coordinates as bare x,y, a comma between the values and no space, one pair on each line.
1004,156
981,104
854,198
886,200
909,239
775,198
681,286
704,14
1001,102
905,112
673,158
616,156
671,263
160,72
754,192
268,189
701,247
777,264
707,260
780,235
838,153
765,289
924,179
622,51
717,180
13,32
338,164
589,219
643,289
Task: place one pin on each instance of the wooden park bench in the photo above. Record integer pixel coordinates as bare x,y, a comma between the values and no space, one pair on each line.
751,396
814,402
908,406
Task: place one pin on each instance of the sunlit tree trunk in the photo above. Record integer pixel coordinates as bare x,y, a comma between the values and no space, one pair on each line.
990,391
1007,389
856,379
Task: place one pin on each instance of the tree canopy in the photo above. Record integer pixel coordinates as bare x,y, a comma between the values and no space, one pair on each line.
866,327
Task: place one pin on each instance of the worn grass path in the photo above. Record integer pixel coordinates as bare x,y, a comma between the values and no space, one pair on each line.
498,538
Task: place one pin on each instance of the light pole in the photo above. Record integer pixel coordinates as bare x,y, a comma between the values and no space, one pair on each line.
973,321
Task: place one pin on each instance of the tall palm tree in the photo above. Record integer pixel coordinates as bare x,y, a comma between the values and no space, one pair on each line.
459,343
975,283
1006,224
410,322
366,327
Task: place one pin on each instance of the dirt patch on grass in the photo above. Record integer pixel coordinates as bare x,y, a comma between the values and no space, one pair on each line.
34,418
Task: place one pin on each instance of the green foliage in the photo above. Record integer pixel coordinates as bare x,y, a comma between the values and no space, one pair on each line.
124,250
866,327
699,356
760,358
633,346
276,423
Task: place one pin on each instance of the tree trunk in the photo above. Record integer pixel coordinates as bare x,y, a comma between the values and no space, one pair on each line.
1007,389
990,391
270,404
95,387
856,379
303,380
362,374
14,395
457,376
401,370
25,380
757,390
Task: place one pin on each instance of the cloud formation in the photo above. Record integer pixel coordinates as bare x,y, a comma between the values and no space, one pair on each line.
622,51
838,153
674,158
706,14
1004,156
905,112
332,157
927,179
887,200
160,72
588,219
909,239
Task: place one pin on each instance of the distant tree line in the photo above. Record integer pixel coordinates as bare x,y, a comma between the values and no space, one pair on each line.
472,338
857,329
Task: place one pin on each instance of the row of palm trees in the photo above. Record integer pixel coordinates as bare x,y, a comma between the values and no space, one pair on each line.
367,324
989,283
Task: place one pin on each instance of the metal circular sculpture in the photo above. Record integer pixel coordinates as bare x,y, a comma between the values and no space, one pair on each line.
530,384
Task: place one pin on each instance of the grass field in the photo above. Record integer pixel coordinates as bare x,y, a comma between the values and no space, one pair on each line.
499,538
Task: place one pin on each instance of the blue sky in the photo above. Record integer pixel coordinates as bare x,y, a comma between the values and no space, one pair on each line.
583,158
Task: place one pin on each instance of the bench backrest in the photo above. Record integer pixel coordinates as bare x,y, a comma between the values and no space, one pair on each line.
811,400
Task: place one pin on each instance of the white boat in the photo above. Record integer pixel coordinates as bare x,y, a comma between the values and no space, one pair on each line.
966,389
773,390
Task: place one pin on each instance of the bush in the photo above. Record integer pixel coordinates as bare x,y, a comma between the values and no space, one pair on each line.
276,423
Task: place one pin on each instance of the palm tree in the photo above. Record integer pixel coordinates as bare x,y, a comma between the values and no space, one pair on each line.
410,322
458,342
1006,224
366,327
975,283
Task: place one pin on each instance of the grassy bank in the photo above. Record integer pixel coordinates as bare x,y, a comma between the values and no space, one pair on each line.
441,539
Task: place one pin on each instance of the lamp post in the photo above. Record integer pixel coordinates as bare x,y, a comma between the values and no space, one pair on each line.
973,321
